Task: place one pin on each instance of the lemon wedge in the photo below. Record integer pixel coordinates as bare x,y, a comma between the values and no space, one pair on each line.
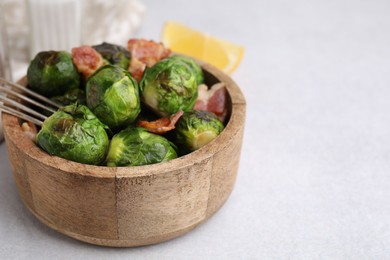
220,53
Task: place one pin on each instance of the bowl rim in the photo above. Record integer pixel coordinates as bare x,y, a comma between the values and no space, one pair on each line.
236,122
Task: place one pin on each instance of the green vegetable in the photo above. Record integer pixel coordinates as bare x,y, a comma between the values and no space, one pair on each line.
169,86
113,96
135,146
52,73
74,133
196,129
114,54
194,66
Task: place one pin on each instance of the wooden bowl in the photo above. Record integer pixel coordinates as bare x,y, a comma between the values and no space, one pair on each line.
129,206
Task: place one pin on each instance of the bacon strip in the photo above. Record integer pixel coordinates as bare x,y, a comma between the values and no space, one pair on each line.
136,69
203,96
87,60
145,52
162,125
148,52
213,100
217,99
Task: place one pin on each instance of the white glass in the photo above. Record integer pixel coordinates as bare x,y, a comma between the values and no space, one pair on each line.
54,25
110,21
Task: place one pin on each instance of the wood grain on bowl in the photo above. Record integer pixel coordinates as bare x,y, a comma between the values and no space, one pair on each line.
129,206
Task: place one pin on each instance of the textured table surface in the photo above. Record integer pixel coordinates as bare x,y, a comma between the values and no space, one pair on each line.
314,176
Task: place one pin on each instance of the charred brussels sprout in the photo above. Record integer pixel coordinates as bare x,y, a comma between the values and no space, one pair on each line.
169,86
52,73
113,95
196,129
74,133
114,54
194,66
135,146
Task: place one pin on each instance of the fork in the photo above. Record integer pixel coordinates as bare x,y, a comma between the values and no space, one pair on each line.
12,95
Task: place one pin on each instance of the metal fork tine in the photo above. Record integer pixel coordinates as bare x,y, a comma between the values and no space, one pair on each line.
19,114
31,101
14,92
7,100
32,93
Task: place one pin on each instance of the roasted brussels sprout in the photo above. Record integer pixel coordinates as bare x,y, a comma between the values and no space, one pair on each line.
169,86
194,66
70,97
52,73
196,129
113,96
74,133
114,54
135,146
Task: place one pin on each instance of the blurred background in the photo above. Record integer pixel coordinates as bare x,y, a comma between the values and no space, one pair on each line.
314,177
40,25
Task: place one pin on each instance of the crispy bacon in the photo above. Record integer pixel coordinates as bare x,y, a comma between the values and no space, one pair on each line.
162,125
148,52
217,99
203,96
145,52
136,69
87,60
213,100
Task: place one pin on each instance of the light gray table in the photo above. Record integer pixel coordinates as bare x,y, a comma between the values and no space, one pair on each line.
314,179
